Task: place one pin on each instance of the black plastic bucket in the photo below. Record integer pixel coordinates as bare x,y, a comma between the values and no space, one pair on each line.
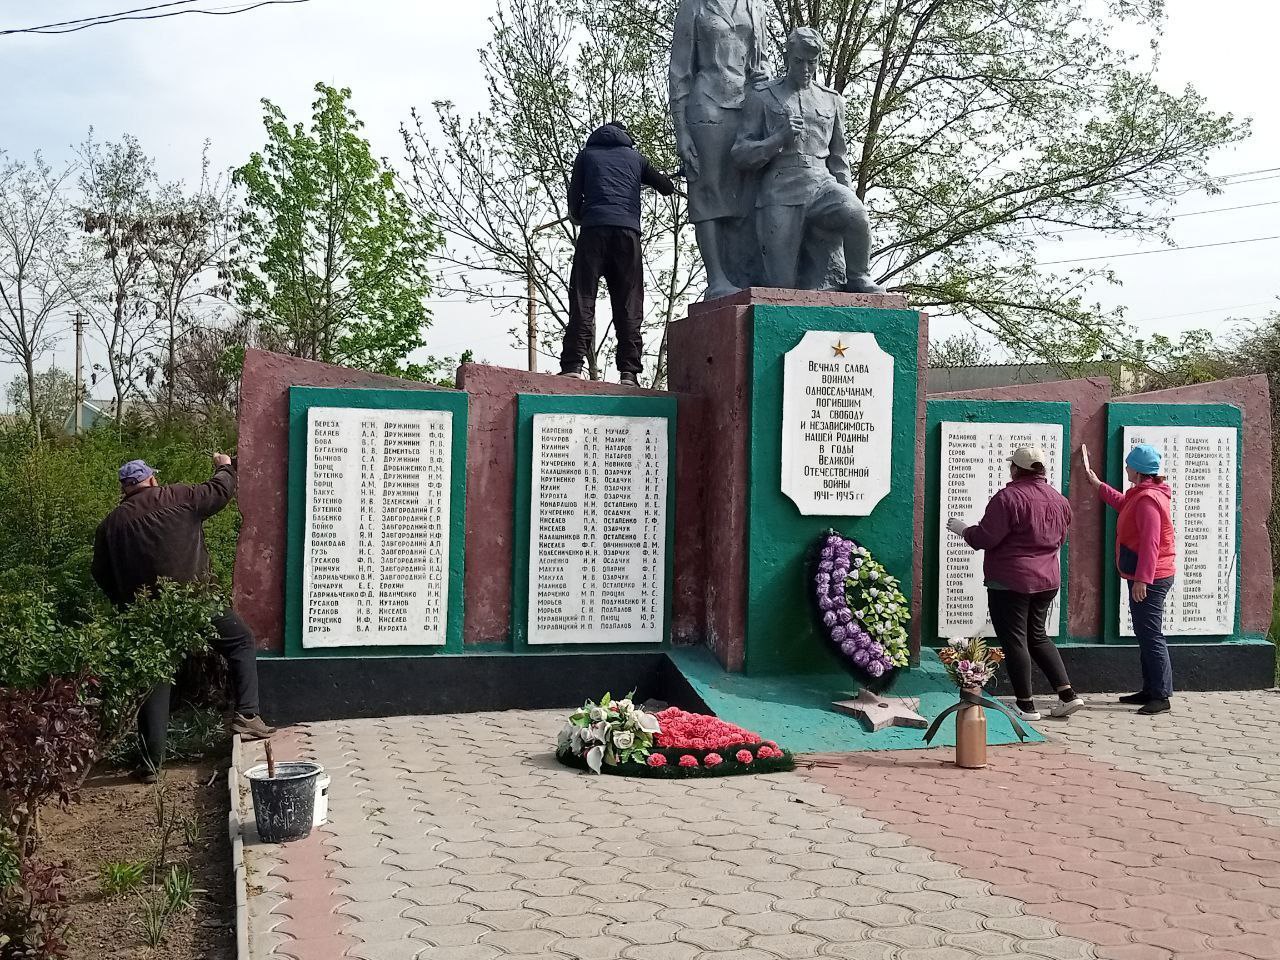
284,805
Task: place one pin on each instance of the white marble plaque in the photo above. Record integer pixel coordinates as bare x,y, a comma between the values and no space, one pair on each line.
974,465
1201,465
837,424
376,552
597,529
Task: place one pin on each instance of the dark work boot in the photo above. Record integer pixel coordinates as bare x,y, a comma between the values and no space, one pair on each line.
1138,698
629,379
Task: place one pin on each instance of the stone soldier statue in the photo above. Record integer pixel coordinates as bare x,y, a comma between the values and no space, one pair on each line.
717,50
793,133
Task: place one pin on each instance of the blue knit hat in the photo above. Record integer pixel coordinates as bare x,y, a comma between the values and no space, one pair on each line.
1144,459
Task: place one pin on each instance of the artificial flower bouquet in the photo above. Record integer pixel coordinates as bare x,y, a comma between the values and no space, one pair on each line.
864,613
611,732
970,663
674,744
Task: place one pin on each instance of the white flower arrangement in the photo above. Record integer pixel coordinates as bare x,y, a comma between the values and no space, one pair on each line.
609,732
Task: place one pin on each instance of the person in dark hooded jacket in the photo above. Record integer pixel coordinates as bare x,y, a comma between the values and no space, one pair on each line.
604,201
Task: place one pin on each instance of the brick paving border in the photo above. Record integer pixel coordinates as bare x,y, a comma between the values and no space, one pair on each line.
1143,870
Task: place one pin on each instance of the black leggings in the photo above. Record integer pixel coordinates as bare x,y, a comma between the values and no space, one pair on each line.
1019,622
235,642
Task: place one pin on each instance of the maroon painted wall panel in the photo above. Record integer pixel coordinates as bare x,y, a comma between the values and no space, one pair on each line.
258,593
1252,395
1086,553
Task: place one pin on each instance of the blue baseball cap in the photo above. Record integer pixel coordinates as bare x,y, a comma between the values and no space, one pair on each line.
135,472
1145,459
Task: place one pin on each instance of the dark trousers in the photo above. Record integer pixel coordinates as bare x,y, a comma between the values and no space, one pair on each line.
1148,627
1019,622
235,642
614,254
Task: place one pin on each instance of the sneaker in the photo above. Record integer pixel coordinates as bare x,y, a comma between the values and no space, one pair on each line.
251,728
1138,698
572,374
1154,706
1028,715
629,380
1065,708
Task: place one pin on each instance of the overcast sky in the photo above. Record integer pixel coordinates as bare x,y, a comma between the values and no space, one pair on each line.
175,83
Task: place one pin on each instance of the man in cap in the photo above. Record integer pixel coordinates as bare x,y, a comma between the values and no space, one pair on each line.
793,133
1022,532
158,532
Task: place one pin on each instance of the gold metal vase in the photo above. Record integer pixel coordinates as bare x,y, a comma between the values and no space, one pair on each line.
971,736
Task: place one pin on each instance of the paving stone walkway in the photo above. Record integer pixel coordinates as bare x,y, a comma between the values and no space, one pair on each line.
460,837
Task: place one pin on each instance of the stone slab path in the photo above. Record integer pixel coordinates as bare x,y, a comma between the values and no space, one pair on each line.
460,837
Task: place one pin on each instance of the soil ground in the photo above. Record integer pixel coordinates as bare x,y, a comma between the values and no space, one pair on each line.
115,821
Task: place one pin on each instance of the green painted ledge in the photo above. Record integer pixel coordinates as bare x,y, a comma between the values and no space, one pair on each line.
795,709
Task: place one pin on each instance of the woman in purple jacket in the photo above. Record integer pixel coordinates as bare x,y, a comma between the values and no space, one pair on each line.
1022,533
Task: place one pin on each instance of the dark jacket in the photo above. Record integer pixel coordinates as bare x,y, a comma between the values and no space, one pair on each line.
1022,533
158,532
604,190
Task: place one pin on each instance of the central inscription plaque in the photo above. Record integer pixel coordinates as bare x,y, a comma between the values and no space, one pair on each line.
974,466
597,529
376,541
837,424
1200,463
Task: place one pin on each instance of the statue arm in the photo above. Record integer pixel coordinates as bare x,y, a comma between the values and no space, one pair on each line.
838,155
683,63
754,147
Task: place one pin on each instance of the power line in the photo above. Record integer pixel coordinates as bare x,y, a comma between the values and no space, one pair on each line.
74,26
1143,253
1194,213
1197,313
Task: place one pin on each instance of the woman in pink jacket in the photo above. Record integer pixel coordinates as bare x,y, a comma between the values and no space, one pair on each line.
1145,558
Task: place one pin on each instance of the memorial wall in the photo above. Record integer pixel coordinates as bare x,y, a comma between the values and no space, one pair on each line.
375,566
594,521
1201,464
598,529
376,503
974,466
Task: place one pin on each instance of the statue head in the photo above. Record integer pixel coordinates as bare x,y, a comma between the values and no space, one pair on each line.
804,50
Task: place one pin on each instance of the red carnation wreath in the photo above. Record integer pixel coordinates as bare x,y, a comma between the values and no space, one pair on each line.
697,745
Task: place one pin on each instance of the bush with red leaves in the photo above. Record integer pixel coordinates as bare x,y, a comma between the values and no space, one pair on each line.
48,739
33,914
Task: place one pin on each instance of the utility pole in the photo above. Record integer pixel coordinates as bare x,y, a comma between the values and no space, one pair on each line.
79,401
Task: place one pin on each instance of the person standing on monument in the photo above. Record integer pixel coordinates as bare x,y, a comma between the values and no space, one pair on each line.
718,47
604,202
1145,558
793,133
1022,533
158,532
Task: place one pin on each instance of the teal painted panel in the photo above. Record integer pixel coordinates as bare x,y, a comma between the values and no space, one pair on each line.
938,412
781,628
795,709
302,399
1121,415
527,406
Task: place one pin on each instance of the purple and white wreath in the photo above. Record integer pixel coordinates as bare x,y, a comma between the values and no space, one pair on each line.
863,611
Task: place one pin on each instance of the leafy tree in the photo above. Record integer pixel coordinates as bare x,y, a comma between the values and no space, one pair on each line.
988,126
39,273
979,130
959,350
335,259
498,182
54,393
188,238
117,184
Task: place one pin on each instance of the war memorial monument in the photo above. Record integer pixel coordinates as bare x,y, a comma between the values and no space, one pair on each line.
527,540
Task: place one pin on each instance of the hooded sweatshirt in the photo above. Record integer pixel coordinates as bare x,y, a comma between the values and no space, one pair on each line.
1145,549
604,190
